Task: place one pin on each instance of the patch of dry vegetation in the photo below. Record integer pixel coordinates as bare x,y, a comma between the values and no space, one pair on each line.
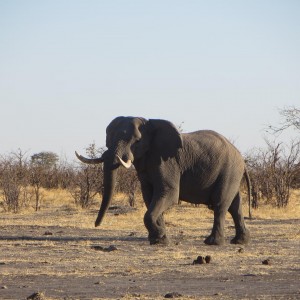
53,250
58,208
268,211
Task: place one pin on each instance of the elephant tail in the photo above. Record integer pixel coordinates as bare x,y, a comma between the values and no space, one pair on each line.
247,177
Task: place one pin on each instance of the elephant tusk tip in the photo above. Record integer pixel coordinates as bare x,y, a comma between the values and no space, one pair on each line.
127,164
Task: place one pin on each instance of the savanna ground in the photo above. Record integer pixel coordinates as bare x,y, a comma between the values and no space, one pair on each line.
58,254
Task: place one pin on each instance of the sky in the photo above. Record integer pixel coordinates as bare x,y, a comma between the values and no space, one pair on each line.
68,67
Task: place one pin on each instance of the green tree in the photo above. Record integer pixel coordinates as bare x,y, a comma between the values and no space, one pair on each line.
45,159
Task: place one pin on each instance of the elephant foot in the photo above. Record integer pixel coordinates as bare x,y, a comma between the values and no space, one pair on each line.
159,240
214,240
242,238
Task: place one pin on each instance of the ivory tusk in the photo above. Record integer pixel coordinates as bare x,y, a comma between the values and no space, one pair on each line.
89,160
127,164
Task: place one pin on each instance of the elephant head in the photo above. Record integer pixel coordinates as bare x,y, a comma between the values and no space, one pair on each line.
130,140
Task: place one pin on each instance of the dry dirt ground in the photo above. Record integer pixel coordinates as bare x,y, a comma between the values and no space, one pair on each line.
58,254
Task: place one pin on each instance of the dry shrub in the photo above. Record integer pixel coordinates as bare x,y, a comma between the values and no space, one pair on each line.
274,172
291,210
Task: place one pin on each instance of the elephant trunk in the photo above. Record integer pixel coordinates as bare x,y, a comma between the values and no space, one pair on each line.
111,163
109,182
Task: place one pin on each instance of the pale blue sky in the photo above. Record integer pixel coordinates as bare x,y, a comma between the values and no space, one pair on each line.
67,68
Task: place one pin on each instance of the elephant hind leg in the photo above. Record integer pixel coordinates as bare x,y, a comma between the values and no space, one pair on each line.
217,235
220,201
242,235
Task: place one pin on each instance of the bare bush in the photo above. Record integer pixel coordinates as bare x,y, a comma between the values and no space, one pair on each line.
273,172
14,190
290,119
43,168
128,184
87,181
22,180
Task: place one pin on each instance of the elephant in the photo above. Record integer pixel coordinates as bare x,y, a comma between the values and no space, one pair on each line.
200,167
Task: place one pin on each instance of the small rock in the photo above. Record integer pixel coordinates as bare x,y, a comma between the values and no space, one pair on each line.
173,295
207,259
36,296
199,261
48,233
110,248
266,262
107,249
97,248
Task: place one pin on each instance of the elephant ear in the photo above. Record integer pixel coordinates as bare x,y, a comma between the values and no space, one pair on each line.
166,139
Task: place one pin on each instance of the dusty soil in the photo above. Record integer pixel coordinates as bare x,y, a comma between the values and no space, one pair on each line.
59,254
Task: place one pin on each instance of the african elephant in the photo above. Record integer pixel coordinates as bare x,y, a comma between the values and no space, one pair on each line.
197,167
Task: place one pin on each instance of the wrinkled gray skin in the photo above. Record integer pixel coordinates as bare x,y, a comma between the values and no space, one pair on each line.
198,167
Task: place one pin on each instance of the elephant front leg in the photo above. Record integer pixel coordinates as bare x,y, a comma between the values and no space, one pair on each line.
156,229
154,219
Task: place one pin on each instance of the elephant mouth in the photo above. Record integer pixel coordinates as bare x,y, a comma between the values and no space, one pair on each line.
127,164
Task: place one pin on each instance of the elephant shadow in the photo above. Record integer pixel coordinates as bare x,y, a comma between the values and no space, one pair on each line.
34,233
72,238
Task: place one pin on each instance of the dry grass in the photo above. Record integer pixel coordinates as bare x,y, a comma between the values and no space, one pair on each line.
267,211
64,265
58,207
